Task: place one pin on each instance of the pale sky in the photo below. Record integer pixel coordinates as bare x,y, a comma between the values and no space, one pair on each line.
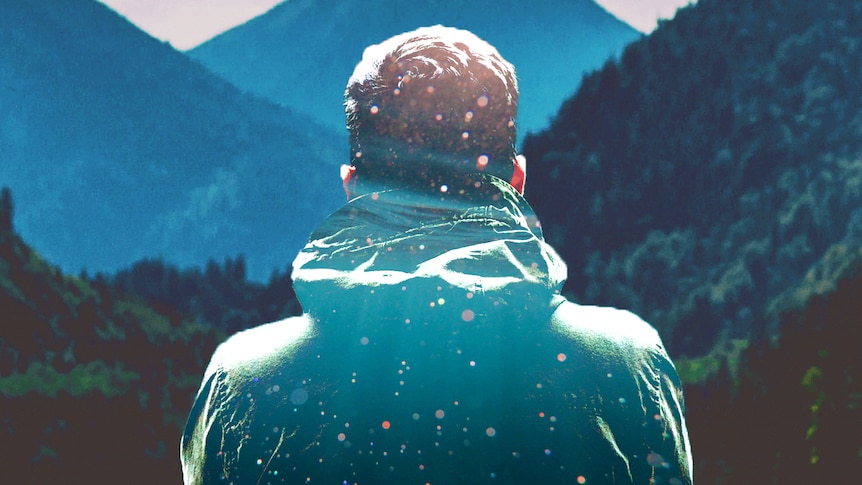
643,15
187,23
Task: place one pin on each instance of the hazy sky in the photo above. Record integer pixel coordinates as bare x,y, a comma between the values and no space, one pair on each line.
187,23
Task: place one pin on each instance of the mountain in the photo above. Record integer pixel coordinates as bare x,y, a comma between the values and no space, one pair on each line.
704,174
118,147
710,180
301,52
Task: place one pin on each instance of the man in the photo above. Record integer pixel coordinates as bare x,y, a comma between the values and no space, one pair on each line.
435,347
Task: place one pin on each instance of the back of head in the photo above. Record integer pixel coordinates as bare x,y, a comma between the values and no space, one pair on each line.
428,105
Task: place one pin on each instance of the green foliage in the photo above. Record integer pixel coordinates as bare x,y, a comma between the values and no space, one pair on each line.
100,355
219,296
155,326
82,379
79,292
724,357
80,361
839,261
796,400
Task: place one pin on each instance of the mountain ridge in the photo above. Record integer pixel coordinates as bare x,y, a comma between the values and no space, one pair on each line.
119,147
300,54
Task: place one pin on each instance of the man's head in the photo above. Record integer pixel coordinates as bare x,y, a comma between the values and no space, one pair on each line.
429,105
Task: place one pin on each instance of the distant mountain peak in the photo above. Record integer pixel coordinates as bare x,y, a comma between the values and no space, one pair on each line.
118,147
300,53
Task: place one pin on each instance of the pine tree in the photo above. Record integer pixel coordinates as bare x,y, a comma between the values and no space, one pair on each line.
7,208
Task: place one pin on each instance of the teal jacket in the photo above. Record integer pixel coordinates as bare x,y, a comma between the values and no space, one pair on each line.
435,348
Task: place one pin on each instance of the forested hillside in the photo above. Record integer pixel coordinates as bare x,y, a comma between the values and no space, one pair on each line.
95,384
702,175
711,180
220,295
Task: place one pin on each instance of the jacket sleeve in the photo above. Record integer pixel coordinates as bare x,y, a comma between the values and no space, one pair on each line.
215,431
667,442
214,422
641,414
196,436
661,451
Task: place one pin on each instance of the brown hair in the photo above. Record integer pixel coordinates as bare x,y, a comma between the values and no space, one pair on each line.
430,103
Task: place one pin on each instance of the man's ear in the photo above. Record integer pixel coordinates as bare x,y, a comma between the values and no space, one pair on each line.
519,176
348,178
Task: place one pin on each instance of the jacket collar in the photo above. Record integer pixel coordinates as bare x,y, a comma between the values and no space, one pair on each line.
483,240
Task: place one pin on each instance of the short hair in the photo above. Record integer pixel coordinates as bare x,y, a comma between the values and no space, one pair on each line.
428,103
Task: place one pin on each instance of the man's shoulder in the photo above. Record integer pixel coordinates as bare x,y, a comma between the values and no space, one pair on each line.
605,329
261,346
